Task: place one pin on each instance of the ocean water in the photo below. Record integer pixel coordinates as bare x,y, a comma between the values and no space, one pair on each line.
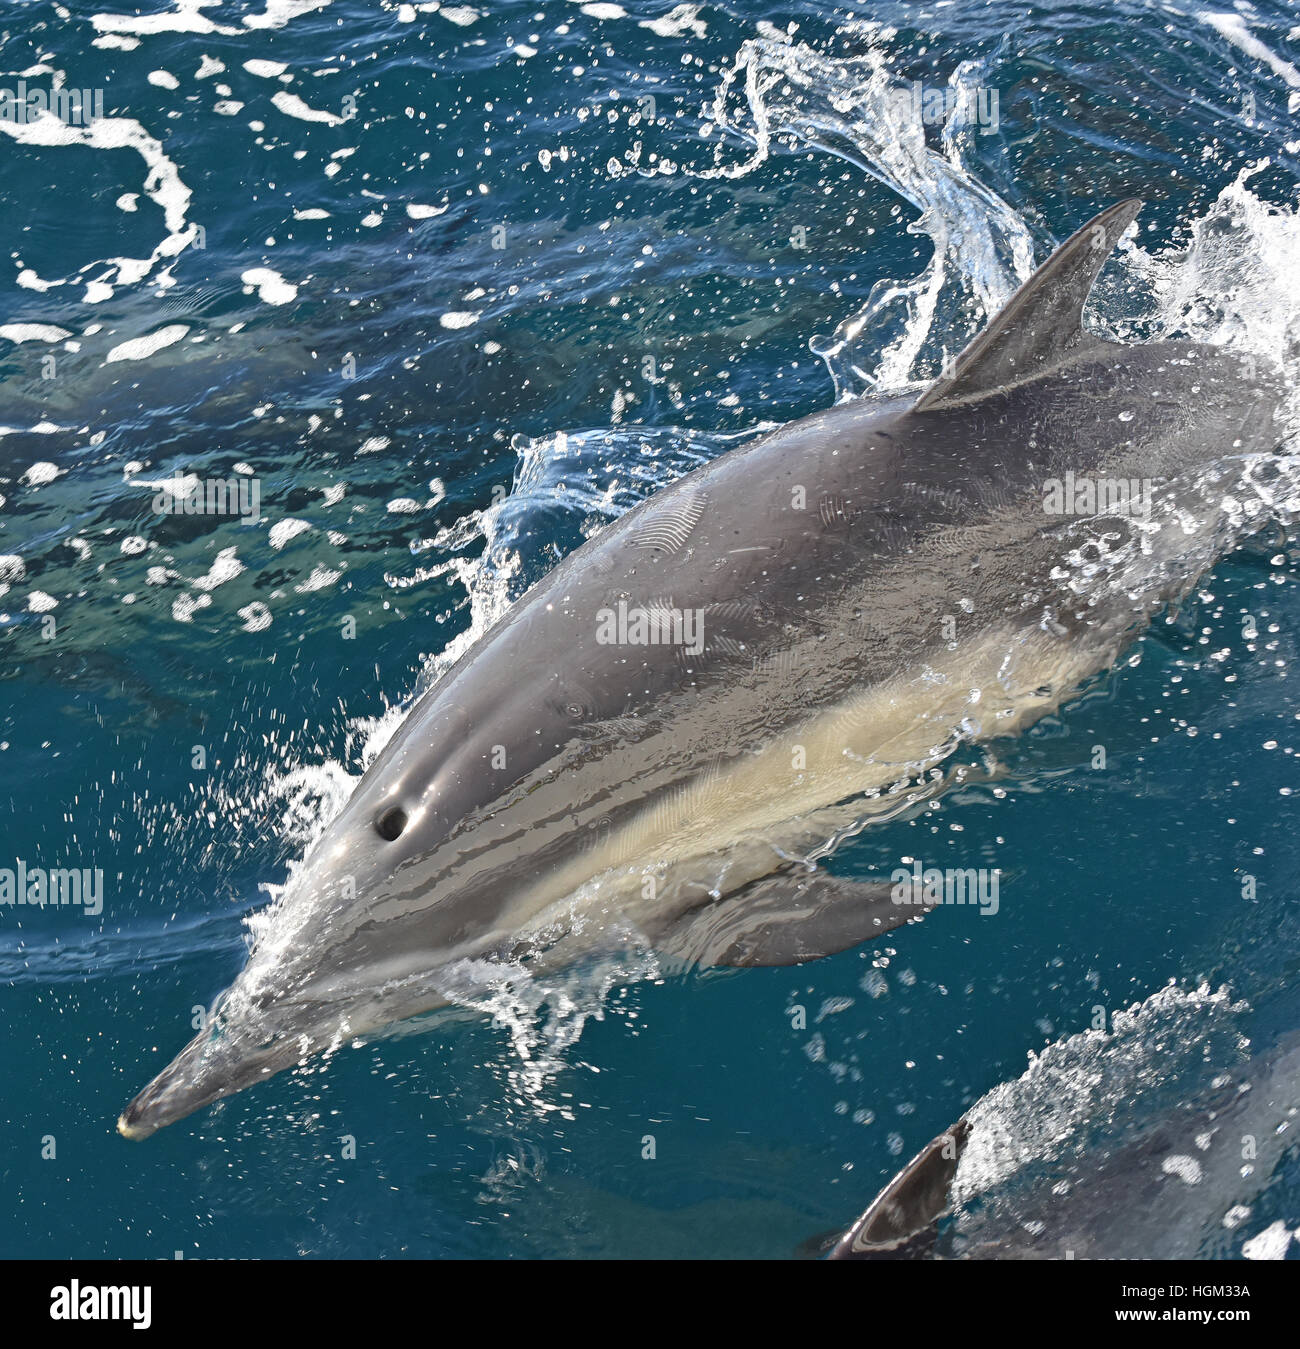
455,285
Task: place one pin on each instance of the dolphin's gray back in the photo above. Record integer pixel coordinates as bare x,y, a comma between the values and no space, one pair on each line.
822,558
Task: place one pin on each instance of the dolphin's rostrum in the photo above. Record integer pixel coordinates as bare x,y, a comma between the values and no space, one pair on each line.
651,740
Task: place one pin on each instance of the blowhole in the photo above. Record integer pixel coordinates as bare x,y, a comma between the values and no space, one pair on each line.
390,824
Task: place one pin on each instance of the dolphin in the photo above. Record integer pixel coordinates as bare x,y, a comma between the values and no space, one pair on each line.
1192,1173
656,743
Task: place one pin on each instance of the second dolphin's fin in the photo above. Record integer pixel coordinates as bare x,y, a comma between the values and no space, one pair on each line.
787,919
902,1217
1042,322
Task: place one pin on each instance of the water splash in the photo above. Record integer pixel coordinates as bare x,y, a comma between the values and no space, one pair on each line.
1097,1075
858,109
543,1015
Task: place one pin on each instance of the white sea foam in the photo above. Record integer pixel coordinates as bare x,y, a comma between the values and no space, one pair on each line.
292,106
1271,1243
162,185
271,287
141,348
678,21
321,578
280,12
187,17
256,616
284,530
41,473
33,332
225,567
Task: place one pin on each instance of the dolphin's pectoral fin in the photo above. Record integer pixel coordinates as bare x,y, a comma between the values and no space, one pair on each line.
787,919
1042,322
903,1217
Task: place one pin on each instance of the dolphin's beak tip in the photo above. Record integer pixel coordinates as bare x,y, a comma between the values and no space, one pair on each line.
134,1129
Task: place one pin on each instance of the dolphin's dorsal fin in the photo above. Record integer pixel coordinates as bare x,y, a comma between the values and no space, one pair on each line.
910,1206
1042,322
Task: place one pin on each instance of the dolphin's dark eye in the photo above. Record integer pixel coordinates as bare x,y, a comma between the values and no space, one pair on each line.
391,823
